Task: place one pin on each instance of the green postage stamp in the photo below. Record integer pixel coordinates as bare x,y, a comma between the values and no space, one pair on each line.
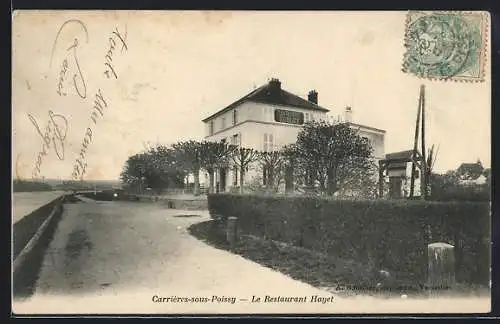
446,45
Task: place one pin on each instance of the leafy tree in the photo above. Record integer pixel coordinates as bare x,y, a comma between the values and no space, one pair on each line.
156,168
214,155
332,155
242,158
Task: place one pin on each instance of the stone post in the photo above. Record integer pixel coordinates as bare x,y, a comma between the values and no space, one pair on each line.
441,265
231,230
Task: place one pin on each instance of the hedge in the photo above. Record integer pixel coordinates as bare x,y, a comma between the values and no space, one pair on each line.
379,234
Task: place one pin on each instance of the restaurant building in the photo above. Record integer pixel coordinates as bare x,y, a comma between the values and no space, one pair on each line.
270,117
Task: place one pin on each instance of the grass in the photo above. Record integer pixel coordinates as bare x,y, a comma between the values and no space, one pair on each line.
343,277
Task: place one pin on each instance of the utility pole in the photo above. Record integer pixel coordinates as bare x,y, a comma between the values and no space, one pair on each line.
423,178
415,142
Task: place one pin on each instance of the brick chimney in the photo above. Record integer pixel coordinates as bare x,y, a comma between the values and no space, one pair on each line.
275,85
348,114
313,96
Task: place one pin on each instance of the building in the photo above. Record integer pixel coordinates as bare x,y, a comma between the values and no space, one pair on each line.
398,168
472,173
270,117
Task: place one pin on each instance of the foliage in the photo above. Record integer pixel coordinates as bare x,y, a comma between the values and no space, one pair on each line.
447,187
214,155
242,158
19,185
156,169
331,156
378,234
189,156
272,164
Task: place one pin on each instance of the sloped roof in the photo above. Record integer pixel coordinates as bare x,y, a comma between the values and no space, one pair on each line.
400,156
264,94
472,169
367,127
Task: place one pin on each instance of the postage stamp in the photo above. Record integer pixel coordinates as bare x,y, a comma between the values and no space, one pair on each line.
446,45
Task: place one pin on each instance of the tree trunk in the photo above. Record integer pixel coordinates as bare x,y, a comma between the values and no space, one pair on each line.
331,182
211,180
270,178
289,179
196,188
242,175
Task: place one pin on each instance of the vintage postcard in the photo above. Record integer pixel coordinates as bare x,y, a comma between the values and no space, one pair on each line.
251,162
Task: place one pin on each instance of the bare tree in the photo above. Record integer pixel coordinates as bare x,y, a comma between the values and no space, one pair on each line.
272,164
242,158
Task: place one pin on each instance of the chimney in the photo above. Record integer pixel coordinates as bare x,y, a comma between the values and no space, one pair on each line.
348,114
313,96
275,85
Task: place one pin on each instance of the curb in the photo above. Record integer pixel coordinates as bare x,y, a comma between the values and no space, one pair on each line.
34,240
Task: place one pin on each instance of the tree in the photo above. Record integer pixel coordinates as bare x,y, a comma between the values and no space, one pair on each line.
272,164
331,154
214,155
135,169
242,158
189,154
290,161
156,168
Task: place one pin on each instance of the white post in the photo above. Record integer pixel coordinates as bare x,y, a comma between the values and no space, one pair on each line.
441,265
231,230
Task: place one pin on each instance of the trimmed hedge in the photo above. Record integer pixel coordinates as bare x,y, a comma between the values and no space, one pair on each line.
379,234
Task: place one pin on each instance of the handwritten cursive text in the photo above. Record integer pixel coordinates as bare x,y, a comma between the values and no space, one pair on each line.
78,80
53,135
122,40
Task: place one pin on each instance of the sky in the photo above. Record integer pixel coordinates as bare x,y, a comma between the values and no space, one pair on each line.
168,70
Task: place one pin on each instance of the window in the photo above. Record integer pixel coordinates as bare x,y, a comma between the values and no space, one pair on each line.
236,140
211,127
268,142
289,116
235,117
306,117
223,140
223,123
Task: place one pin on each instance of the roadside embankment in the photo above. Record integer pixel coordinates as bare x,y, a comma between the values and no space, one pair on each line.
30,238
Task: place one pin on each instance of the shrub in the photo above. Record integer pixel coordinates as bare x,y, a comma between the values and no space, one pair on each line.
379,234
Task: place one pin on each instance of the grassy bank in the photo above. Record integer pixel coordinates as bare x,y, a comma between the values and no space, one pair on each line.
341,276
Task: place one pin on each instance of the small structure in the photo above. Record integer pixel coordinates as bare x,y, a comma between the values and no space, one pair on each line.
397,167
441,262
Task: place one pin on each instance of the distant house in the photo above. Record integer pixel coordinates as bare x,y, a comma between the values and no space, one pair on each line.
270,117
472,173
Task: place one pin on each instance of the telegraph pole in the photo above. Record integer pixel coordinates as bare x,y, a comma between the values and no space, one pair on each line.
415,142
423,178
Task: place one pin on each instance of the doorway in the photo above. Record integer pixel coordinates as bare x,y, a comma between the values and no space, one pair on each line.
395,186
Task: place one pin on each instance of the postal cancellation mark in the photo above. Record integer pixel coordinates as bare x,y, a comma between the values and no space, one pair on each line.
446,46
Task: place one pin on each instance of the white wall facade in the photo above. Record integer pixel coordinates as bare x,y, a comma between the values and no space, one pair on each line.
256,128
